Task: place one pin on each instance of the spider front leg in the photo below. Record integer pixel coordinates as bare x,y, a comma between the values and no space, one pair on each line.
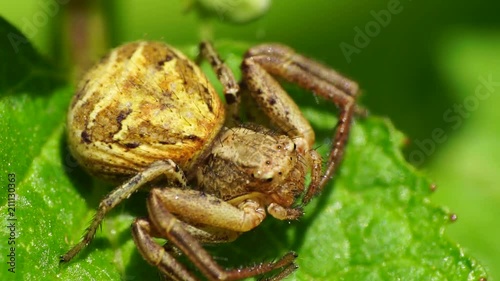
226,78
272,59
188,218
156,170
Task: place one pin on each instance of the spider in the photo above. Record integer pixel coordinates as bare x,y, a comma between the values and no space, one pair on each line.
146,116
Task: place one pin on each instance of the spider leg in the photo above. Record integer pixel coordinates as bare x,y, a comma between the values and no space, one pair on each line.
261,62
226,77
160,168
156,254
281,57
193,208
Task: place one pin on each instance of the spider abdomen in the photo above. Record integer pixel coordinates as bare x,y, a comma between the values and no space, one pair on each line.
143,102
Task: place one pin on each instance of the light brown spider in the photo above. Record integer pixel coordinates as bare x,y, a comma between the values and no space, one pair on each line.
147,116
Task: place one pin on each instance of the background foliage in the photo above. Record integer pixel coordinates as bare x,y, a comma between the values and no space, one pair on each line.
426,61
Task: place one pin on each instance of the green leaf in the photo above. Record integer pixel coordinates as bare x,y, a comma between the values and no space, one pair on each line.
467,164
374,222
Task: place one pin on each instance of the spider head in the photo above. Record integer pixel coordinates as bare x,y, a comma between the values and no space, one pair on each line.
277,168
290,183
245,160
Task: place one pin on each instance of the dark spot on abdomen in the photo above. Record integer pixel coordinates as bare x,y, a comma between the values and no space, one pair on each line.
86,137
161,62
192,137
132,145
123,114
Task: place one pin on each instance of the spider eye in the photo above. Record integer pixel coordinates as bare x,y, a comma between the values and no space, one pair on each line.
294,146
269,180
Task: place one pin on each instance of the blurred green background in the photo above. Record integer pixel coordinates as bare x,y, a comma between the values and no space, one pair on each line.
433,67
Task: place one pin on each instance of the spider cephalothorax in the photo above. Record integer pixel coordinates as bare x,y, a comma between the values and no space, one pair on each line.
243,161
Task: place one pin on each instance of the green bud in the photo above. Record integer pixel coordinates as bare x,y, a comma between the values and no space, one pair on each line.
236,11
